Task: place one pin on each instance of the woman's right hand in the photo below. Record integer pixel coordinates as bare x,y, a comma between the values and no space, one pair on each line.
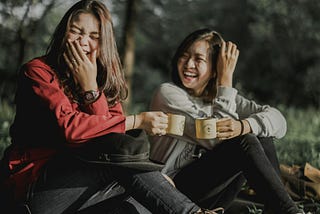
82,67
226,63
153,122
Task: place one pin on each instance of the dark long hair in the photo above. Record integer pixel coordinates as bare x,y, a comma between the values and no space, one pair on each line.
110,77
214,40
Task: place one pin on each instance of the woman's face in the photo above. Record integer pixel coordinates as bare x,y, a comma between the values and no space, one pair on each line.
194,67
85,28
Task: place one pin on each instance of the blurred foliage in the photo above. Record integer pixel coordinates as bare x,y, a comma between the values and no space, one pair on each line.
278,42
302,141
6,117
278,65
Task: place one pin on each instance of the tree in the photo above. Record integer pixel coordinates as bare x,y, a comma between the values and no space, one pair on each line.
128,52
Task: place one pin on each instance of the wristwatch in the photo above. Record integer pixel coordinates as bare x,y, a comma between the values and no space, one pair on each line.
90,96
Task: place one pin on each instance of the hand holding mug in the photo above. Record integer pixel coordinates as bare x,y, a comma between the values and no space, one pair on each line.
229,128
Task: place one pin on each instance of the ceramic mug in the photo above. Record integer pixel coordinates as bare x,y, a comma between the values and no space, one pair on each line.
206,128
176,124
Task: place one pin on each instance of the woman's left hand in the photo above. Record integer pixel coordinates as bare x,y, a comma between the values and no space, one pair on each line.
228,128
153,122
226,64
82,67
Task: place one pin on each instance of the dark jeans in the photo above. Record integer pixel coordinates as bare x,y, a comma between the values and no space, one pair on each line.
69,185
220,173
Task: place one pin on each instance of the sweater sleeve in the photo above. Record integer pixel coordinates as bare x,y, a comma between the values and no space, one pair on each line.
265,121
224,104
77,125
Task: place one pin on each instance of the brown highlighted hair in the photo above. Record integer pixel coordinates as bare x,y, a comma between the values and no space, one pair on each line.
110,77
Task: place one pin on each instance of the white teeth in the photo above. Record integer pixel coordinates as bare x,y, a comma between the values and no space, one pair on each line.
189,74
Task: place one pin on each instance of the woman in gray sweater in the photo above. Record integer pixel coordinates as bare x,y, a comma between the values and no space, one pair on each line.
212,171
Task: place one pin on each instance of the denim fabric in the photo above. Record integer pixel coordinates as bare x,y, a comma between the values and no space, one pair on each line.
68,185
158,194
216,178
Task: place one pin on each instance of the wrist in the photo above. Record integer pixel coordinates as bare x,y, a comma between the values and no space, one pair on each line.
138,121
241,128
247,128
134,121
131,122
90,96
89,87
227,82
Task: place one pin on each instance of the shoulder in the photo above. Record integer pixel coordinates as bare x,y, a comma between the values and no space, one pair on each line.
170,89
37,68
170,94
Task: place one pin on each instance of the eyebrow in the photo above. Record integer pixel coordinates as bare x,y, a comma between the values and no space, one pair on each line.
200,54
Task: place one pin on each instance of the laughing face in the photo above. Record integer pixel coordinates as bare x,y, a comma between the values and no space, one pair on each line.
195,67
85,28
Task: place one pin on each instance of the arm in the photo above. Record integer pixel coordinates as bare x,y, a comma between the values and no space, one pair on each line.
224,104
153,122
264,121
76,125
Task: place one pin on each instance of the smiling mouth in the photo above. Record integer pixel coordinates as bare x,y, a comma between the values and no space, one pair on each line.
189,74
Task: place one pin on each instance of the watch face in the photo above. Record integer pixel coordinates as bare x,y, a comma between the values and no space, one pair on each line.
89,96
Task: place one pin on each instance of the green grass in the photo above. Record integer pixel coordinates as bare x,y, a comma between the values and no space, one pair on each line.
302,141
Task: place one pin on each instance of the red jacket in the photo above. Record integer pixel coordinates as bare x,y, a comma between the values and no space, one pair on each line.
46,120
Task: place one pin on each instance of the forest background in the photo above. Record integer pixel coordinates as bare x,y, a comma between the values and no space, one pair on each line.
279,42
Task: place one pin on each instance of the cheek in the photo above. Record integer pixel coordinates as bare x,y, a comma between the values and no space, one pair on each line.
94,45
205,72
72,37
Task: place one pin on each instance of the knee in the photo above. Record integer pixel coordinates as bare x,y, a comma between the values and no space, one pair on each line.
250,138
250,141
266,140
267,143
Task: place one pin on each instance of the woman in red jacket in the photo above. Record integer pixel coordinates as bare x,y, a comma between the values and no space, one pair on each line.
69,98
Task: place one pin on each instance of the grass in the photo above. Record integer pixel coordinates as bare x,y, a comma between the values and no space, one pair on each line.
302,141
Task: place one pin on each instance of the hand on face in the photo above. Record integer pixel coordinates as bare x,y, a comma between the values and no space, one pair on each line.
226,63
83,67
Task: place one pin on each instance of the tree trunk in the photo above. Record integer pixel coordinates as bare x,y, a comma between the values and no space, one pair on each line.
129,48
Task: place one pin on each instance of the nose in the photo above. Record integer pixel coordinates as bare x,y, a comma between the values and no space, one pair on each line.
190,63
83,40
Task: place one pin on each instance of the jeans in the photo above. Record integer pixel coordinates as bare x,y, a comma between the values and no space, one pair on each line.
69,185
221,172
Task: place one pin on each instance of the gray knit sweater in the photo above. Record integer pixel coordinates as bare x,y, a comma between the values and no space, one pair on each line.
177,151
